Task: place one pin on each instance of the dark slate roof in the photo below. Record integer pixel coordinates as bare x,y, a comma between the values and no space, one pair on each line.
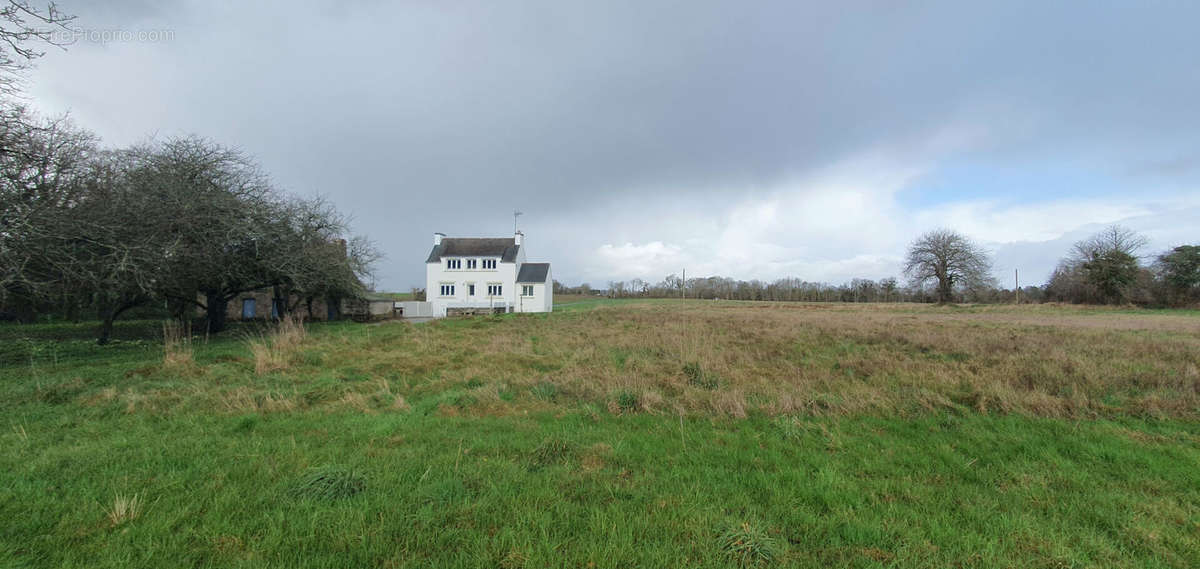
505,248
533,272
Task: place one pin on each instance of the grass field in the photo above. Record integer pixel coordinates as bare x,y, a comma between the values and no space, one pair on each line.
613,434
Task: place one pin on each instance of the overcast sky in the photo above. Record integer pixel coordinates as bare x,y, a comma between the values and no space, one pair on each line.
643,138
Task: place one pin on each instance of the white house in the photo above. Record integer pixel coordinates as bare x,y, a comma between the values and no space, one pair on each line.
471,274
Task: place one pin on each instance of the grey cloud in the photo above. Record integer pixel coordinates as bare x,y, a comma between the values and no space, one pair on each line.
1178,166
432,116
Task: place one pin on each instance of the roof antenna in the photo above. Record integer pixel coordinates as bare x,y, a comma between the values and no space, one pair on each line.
516,214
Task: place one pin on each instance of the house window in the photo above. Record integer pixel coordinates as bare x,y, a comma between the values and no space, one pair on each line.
471,263
526,290
471,289
447,290
495,290
489,263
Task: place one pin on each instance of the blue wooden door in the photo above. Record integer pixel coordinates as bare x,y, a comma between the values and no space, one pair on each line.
248,309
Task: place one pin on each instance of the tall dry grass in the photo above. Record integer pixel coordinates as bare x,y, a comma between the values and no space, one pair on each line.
177,345
123,509
275,349
734,359
737,359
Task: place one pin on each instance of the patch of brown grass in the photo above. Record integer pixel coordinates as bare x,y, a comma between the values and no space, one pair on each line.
177,346
274,350
729,359
244,399
123,509
596,457
821,359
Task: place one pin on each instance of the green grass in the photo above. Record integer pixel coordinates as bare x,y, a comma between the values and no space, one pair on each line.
222,491
590,303
396,295
481,471
49,344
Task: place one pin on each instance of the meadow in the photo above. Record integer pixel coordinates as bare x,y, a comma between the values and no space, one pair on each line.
612,434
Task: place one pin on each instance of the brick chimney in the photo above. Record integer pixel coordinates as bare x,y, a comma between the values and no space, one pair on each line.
437,238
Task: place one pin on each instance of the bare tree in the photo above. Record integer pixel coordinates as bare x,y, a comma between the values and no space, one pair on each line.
951,259
638,287
231,232
72,231
114,253
217,211
1111,238
42,165
23,29
37,156
888,287
616,289
1106,262
313,259
185,221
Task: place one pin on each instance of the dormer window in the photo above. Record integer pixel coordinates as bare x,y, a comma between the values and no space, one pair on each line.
471,263
453,263
489,263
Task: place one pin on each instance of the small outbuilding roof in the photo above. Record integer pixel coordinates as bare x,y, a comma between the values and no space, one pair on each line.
533,272
504,247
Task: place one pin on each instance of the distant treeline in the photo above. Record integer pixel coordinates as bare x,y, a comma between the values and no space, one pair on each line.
789,289
1104,269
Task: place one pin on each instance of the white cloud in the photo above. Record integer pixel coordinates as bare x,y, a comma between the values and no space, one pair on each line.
835,224
846,222
1040,221
637,261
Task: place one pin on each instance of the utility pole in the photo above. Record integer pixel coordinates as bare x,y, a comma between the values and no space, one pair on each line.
1017,286
683,285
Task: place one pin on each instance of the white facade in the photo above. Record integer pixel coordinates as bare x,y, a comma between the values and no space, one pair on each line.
541,299
482,273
